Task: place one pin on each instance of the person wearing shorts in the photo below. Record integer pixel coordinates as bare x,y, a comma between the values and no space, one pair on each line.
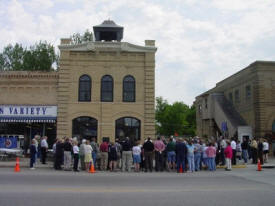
136,156
171,154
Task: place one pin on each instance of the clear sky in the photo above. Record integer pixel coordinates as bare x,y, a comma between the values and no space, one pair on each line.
200,42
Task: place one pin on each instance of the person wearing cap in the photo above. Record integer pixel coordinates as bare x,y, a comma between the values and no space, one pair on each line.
126,155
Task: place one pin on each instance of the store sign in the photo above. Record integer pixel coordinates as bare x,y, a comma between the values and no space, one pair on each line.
27,111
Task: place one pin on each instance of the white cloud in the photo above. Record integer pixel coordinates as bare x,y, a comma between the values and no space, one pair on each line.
39,5
194,50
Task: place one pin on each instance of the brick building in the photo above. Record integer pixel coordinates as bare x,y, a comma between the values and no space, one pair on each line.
245,98
103,88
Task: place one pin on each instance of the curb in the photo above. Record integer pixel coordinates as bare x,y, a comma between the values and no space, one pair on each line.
233,166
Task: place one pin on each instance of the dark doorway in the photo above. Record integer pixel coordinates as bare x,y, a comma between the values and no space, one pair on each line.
84,127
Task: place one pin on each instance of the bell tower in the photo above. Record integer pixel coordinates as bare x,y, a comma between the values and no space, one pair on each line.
108,31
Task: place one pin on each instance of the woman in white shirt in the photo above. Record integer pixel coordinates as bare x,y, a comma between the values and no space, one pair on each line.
88,155
136,156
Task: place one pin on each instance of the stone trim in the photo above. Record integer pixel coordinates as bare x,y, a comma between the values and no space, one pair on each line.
107,46
27,74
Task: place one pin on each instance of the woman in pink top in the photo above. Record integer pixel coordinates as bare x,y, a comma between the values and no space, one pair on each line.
211,154
228,153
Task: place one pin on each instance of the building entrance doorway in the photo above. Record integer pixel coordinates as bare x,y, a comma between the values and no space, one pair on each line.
84,128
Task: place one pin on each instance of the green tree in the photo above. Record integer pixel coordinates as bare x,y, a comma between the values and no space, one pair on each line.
174,118
191,120
12,57
78,38
40,56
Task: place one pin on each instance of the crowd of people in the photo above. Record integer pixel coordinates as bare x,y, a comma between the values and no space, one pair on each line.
172,154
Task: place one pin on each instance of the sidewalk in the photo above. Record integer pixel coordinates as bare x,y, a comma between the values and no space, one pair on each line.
24,163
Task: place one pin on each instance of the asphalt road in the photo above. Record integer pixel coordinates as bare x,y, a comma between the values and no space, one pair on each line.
242,187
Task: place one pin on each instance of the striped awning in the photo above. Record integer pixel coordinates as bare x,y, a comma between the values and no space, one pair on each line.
28,119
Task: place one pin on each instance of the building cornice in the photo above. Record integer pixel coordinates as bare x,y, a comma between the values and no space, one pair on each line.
250,69
107,46
28,74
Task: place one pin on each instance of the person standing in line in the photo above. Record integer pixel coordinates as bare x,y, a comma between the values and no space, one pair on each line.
88,155
119,150
95,147
82,154
204,156
254,147
44,149
266,150
181,153
244,147
171,154
142,159
148,148
112,157
67,154
233,146
159,147
238,151
223,146
260,150
59,154
164,154
190,156
126,155
136,156
32,154
104,147
228,156
36,142
76,155
197,155
54,152
211,154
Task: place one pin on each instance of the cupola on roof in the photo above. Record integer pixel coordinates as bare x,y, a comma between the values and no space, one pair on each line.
108,31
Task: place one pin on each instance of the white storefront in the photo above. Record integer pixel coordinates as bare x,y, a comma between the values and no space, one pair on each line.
23,122
25,113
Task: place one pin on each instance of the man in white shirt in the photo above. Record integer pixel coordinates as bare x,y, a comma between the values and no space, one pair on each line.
44,149
233,145
76,155
223,146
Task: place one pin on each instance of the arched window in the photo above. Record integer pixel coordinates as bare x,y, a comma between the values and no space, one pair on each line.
84,127
107,88
84,89
128,127
129,89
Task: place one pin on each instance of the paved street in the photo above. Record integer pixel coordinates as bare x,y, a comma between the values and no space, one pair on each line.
44,186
